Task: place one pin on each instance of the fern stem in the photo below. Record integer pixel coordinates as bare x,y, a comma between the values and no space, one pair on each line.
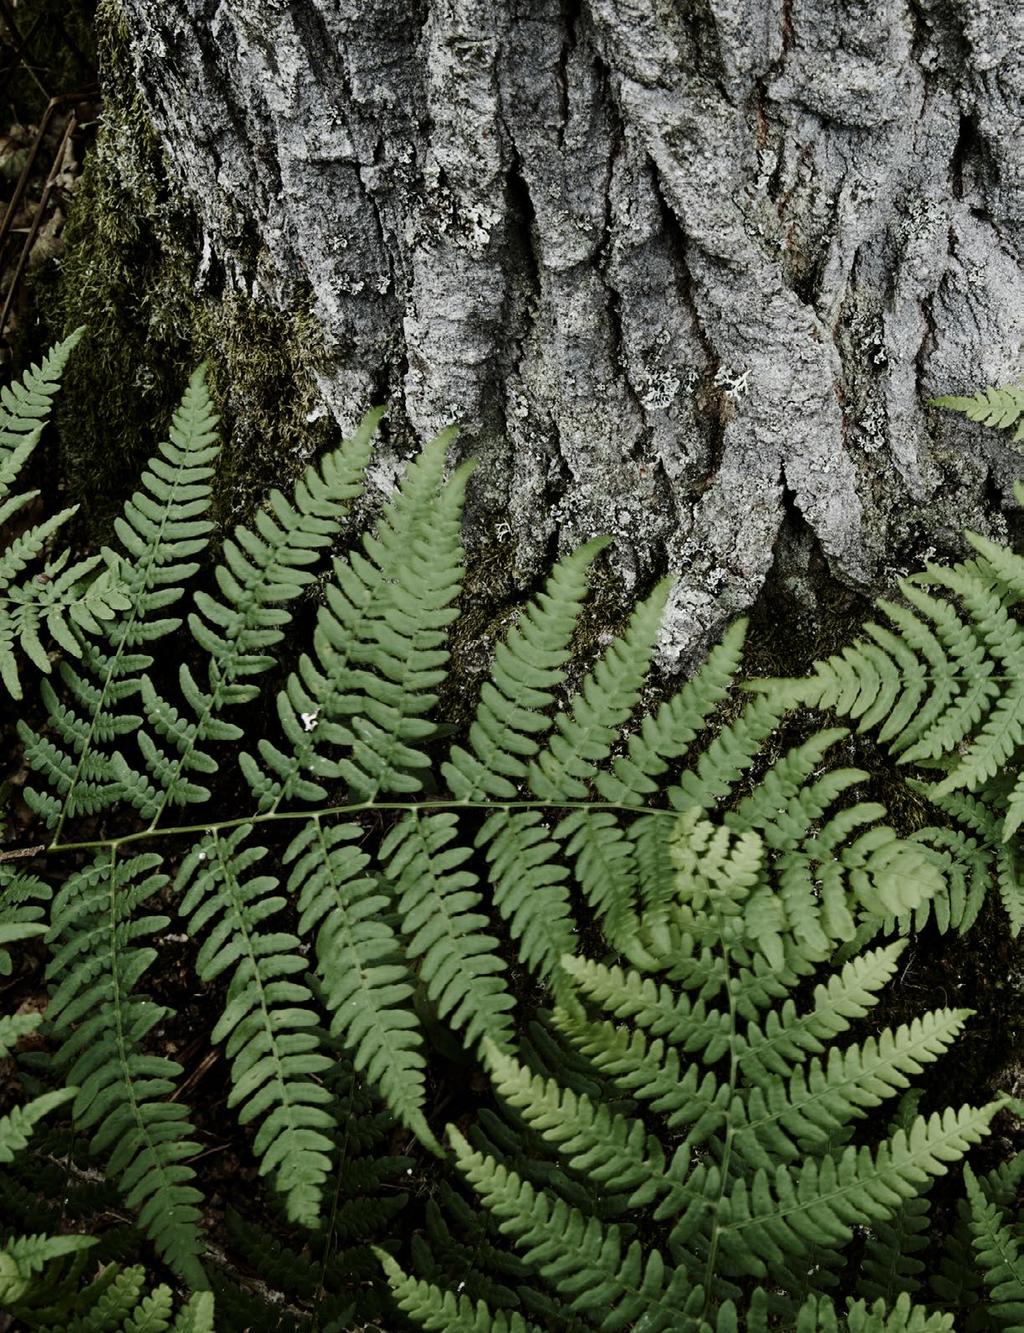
361,807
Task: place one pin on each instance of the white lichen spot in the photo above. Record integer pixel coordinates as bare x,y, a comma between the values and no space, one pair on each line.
309,720
734,384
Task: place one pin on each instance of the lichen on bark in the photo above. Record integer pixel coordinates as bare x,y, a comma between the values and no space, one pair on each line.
684,274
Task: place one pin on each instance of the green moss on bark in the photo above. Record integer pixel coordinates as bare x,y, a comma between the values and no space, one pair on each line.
130,273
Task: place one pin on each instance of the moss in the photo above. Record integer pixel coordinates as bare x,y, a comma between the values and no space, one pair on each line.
129,273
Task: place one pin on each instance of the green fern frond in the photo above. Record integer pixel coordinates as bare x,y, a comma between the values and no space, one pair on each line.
367,987
264,568
997,1247
268,1020
592,1265
97,963
60,595
379,645
668,734
1001,407
445,1311
162,528
891,1265
585,733
437,902
22,910
22,1258
529,665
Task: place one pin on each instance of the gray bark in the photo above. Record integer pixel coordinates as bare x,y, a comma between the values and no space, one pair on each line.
684,270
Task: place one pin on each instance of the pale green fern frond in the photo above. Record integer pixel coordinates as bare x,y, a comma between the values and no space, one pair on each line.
1001,407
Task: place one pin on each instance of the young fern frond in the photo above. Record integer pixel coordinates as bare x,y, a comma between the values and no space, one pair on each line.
122,1089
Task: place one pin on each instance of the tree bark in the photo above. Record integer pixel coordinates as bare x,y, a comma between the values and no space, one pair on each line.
685,271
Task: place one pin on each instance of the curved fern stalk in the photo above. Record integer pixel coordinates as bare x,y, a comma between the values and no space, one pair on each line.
58,596
367,987
97,963
264,568
161,529
356,713
268,1020
1001,407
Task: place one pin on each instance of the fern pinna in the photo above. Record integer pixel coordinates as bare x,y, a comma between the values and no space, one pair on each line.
373,890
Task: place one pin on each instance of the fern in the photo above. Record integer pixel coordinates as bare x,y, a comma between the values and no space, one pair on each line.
760,1175
63,595
678,1141
999,407
943,688
96,966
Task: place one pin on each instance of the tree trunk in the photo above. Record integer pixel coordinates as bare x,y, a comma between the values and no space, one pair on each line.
684,272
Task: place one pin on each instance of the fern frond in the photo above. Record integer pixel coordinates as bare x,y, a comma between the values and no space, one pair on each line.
529,665
584,734
59,595
22,912
263,569
997,1247
97,963
1001,407
593,1265
437,902
366,984
379,645
445,1311
162,528
669,733
268,1020
23,1257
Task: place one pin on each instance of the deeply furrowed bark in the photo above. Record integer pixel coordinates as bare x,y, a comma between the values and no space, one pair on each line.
679,269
